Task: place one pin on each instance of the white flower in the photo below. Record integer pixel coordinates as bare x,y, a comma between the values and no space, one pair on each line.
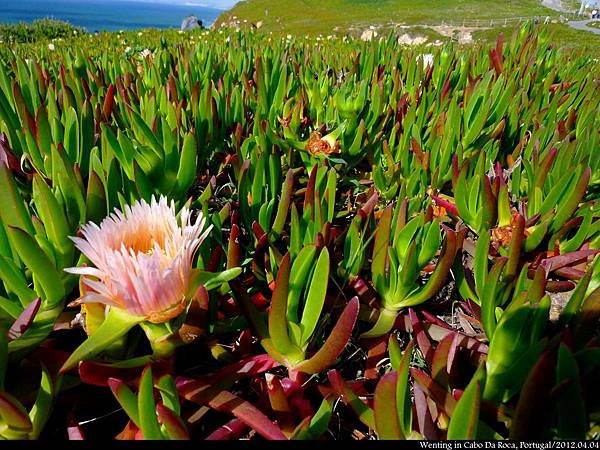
142,259
51,47
427,59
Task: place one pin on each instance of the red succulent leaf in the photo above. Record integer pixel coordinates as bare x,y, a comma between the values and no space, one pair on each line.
448,206
302,406
7,157
174,425
420,335
347,395
279,404
129,433
534,406
232,430
369,206
425,424
439,364
98,374
559,286
74,431
206,386
13,413
557,262
435,320
570,273
377,351
442,397
387,423
225,401
309,195
233,249
24,321
335,343
109,102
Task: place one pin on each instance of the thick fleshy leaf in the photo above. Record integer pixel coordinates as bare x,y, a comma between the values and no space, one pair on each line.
168,392
284,203
39,263
225,401
557,262
186,174
147,407
117,323
279,404
386,414
303,263
425,423
212,280
173,424
12,207
315,297
380,248
24,320
534,406
42,407
364,413
335,343
74,431
232,430
439,275
437,393
126,398
314,427
572,418
419,334
439,362
278,328
208,385
403,393
97,373
14,414
464,420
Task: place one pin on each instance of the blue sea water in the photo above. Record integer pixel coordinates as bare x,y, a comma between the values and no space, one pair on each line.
98,15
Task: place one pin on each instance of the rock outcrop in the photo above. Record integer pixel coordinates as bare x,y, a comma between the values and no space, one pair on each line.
191,23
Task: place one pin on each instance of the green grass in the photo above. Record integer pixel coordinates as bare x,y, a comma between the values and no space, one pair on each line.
561,35
323,16
338,17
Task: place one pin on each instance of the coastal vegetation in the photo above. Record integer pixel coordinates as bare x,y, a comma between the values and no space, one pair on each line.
236,234
38,30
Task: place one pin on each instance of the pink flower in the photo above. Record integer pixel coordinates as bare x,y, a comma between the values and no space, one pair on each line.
143,259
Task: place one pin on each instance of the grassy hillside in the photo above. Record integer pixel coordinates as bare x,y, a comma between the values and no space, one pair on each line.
322,16
479,20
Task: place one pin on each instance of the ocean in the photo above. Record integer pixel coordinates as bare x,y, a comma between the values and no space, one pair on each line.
98,15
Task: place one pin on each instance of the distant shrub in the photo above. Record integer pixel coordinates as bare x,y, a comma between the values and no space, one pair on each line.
43,29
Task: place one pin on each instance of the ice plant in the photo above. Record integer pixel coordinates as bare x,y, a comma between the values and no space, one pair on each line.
142,266
142,258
